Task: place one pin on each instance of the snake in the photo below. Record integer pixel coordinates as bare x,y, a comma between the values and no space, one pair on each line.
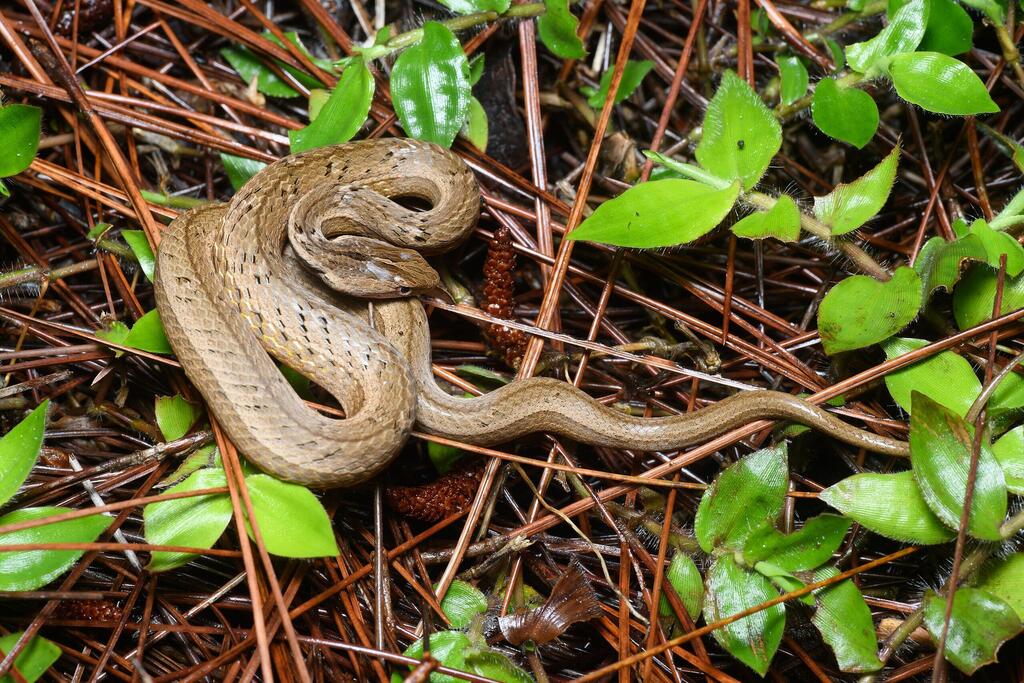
319,262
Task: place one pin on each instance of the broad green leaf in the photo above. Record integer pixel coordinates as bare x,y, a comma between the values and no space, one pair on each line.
978,626
449,648
941,84
851,205
250,66
557,30
861,311
207,456
33,660
19,449
1004,578
808,547
430,86
688,584
342,115
658,213
26,570
994,10
903,34
793,79
784,580
317,99
148,334
844,621
472,6
741,135
940,263
844,113
462,602
1009,394
475,128
196,522
940,453
945,377
975,295
888,504
1009,453
997,244
240,169
174,415
731,589
19,129
782,222
746,496
136,239
632,75
292,521
114,332
496,666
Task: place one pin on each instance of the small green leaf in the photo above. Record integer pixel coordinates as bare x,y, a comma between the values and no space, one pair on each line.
19,449
994,10
861,311
793,79
949,30
730,589
782,222
148,334
1004,578
945,377
978,626
19,129
97,231
115,332
844,113
26,570
998,244
430,86
1009,453
557,30
240,169
741,135
496,666
1010,148
940,263
476,69
808,547
902,35
686,581
33,660
449,648
975,295
249,66
475,128
844,621
941,84
462,602
174,415
196,522
136,239
658,213
746,496
292,521
940,453
632,75
442,456
342,115
1009,394
888,504
473,6
851,205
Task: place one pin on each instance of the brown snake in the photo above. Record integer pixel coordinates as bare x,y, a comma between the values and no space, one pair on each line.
276,271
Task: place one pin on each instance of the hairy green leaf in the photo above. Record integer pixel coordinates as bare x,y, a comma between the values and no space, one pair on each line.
462,602
940,263
1009,453
632,75
808,547
978,626
686,581
851,205
941,84
174,415
793,78
844,621
844,113
904,32
1004,578
782,222
945,377
975,295
860,310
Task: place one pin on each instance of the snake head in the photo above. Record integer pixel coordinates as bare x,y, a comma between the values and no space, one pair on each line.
372,269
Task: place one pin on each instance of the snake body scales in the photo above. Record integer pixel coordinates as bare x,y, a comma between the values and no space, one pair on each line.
277,272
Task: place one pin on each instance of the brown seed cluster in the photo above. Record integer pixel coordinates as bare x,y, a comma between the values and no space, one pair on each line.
498,299
447,495
87,610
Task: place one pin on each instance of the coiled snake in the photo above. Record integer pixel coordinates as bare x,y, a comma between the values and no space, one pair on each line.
284,268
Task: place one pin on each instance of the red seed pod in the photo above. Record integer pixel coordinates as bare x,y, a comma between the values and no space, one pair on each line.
447,495
499,297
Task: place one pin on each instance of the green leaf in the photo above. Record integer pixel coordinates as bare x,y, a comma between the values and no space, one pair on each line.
1004,578
462,602
496,666
888,504
174,415
632,75
998,244
851,205
343,114
476,69
317,99
473,6
903,34
97,231
949,30
136,239
249,66
946,377
148,334
1009,394
808,547
1009,453
442,456
746,496
793,79
941,84
292,521
978,626
940,263
19,129
449,648
844,113
730,589
557,30
782,222
940,453
195,522
741,135
658,213
19,449
994,10
861,311
975,295
240,169
430,86
26,570
33,660
115,332
686,581
1010,148
844,621
475,128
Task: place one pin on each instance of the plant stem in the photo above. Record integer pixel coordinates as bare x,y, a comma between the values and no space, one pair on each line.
533,9
36,274
1010,52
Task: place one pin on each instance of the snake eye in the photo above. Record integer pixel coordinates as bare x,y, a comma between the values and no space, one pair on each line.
405,290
